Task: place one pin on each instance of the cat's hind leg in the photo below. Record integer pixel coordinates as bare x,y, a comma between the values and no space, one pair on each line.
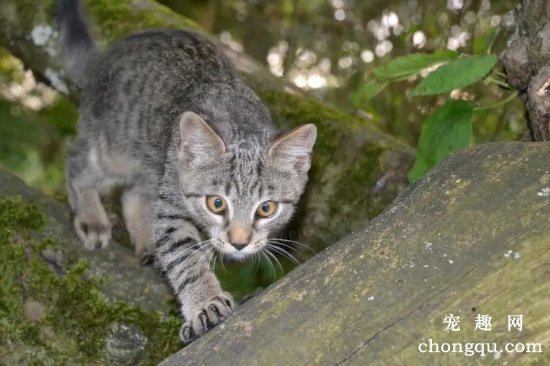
84,179
137,207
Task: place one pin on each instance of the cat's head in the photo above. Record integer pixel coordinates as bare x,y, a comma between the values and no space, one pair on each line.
241,193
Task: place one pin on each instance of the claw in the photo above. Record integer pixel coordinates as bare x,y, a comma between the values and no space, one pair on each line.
186,333
147,260
216,311
207,316
204,320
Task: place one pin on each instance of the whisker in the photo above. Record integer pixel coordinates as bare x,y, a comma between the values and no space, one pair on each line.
203,244
262,252
186,250
212,255
213,259
284,253
294,242
276,261
209,256
222,257
201,247
203,259
278,245
257,260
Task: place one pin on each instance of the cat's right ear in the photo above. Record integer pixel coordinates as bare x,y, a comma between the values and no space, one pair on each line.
199,143
292,151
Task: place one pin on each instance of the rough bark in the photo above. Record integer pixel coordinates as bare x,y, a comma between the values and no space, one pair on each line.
470,238
357,169
527,62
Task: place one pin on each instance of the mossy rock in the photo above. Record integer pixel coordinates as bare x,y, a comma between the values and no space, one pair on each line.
469,239
62,304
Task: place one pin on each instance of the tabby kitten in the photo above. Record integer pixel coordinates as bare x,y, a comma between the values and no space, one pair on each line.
164,113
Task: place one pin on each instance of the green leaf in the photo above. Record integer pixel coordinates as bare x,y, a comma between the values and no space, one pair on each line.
457,74
446,131
482,43
367,91
405,66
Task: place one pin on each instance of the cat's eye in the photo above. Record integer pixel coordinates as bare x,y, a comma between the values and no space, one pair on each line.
267,209
216,204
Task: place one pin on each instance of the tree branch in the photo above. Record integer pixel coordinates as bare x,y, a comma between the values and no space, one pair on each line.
469,238
527,62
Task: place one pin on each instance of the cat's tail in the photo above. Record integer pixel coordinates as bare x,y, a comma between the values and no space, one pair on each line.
77,44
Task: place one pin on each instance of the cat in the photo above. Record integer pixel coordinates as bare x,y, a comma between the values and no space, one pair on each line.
165,114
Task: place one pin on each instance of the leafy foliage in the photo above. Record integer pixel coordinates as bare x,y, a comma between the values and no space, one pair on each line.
368,91
447,130
32,143
460,73
403,67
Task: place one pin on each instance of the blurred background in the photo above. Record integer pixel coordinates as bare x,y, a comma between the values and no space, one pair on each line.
326,47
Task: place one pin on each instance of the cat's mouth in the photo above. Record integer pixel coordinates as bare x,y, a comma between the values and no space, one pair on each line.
236,255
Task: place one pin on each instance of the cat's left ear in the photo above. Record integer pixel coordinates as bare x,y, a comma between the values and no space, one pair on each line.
199,143
292,151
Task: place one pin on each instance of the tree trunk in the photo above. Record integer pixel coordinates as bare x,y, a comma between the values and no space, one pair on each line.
470,238
357,169
527,62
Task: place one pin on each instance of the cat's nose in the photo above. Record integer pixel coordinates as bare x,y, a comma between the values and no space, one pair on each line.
238,246
239,236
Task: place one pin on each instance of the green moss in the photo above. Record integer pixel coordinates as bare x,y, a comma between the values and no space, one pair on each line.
107,15
14,213
78,316
364,170
13,216
292,110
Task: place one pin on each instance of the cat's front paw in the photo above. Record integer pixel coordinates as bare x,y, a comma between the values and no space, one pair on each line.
207,316
94,232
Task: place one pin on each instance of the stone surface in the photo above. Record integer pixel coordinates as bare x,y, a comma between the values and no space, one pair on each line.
62,304
470,238
125,344
34,311
125,279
